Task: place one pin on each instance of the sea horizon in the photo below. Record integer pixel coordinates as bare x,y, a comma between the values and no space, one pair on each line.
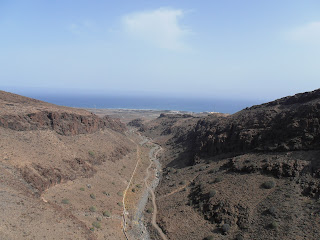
195,105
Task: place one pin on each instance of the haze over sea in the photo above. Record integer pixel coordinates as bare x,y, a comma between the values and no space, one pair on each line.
155,103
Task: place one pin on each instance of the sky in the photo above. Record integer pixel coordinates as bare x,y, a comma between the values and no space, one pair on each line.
227,49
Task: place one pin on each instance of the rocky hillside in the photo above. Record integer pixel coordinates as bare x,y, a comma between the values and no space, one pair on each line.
290,123
57,163
25,114
250,175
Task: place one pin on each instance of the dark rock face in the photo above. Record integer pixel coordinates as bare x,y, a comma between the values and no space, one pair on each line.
62,122
291,123
136,123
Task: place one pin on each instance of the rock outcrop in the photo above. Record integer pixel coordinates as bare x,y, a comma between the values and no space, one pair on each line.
62,122
25,114
291,123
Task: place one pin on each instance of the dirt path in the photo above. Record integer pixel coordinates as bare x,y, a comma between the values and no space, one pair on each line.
138,230
179,189
126,190
153,197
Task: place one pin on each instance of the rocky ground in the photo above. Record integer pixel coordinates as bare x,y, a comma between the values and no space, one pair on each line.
250,175
63,171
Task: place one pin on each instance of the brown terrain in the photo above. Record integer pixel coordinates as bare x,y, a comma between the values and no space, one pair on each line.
69,173
64,171
251,175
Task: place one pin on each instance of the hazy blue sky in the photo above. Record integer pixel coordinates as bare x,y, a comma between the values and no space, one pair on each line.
244,49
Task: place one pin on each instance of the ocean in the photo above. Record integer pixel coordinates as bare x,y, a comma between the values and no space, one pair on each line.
156,103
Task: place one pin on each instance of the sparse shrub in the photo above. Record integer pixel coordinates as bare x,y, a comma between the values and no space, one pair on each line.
113,183
82,189
149,210
201,206
218,179
202,168
96,224
92,209
65,201
120,194
209,238
119,204
268,184
93,196
273,225
139,186
91,153
182,182
99,219
212,193
92,229
239,237
104,192
133,190
271,211
106,214
225,228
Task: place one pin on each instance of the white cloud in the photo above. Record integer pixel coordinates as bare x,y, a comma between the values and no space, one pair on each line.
159,27
83,27
309,33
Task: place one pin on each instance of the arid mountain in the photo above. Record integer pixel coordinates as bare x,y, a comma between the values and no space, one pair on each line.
250,175
23,114
55,164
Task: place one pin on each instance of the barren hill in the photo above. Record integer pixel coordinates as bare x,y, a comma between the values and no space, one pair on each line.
53,161
250,175
22,113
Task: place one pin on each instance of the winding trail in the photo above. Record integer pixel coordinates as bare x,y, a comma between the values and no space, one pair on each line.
141,231
126,190
155,209
179,189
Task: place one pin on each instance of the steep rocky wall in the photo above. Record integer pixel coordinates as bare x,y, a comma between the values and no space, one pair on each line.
268,127
62,122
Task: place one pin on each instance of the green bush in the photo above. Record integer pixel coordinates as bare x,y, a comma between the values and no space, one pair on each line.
225,228
120,194
92,209
65,201
272,211
239,237
120,204
218,179
149,210
209,238
93,196
106,214
182,182
96,224
82,189
139,186
91,153
212,193
202,168
269,184
133,190
273,225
